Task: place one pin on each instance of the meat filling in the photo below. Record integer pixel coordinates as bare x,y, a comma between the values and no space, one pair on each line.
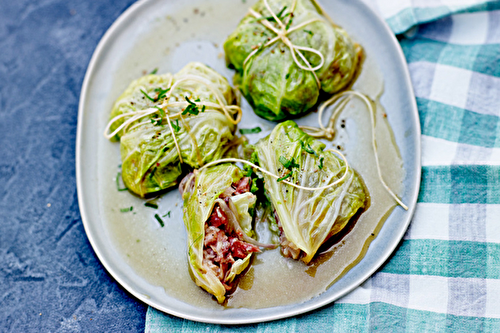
288,249
222,245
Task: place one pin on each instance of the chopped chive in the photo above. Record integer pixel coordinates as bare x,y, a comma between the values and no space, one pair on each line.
289,164
158,218
154,71
128,209
162,114
203,108
309,32
175,125
281,12
287,76
118,176
254,130
168,214
289,24
150,204
161,93
308,149
271,18
147,96
156,121
285,176
152,172
320,166
192,108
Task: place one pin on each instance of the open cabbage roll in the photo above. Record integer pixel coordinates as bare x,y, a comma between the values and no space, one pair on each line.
270,79
150,158
217,201
306,218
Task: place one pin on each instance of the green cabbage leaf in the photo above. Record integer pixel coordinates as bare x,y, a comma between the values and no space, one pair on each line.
150,159
199,203
308,218
270,80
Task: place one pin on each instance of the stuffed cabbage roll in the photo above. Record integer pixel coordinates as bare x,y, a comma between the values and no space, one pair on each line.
306,218
150,157
217,204
270,79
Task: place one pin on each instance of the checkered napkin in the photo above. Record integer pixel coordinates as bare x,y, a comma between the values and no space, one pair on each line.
445,275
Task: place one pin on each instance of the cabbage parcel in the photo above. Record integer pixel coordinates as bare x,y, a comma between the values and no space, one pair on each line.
271,80
307,218
150,158
217,205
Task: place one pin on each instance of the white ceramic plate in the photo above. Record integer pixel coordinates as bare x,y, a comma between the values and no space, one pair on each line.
168,34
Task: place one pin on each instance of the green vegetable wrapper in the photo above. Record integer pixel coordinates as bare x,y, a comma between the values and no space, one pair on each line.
150,156
307,218
270,79
216,215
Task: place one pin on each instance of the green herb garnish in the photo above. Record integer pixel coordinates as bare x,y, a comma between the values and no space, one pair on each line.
285,176
287,76
161,93
147,96
271,18
281,12
118,176
162,112
192,108
154,71
125,210
175,126
158,218
289,21
150,204
289,164
168,214
308,148
254,130
309,32
320,166
156,121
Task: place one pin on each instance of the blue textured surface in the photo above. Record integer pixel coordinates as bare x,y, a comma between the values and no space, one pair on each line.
50,278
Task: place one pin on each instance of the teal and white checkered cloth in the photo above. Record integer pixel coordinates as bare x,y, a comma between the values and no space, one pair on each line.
445,275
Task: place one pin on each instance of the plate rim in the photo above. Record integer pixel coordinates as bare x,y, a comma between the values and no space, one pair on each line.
122,19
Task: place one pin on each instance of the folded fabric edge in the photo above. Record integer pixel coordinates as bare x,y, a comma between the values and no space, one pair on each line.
409,17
